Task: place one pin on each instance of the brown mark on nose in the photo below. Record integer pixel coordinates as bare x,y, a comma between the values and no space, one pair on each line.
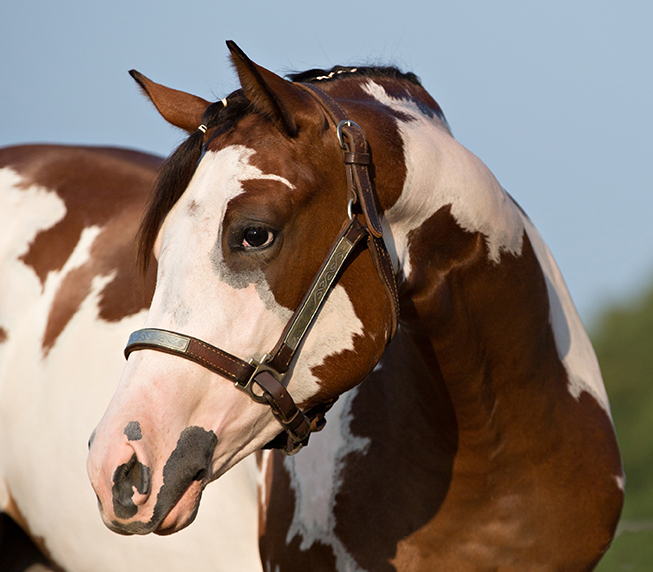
186,464
133,431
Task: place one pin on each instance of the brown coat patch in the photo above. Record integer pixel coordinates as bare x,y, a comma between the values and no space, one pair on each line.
100,187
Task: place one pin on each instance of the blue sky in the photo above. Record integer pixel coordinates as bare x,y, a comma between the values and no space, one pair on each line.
556,97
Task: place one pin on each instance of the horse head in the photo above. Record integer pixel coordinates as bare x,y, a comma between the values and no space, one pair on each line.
245,225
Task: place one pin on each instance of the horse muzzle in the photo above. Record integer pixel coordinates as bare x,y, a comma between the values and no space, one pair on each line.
136,500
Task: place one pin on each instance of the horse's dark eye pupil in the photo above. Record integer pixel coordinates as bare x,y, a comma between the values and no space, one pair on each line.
256,236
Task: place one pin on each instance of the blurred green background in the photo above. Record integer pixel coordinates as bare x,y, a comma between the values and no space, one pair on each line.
623,340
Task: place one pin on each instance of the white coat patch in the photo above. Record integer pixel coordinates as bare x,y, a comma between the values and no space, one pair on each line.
439,172
24,212
574,347
316,478
333,332
621,482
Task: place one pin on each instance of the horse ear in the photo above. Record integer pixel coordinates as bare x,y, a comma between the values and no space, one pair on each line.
272,95
177,107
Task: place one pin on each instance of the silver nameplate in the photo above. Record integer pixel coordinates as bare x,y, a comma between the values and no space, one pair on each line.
160,338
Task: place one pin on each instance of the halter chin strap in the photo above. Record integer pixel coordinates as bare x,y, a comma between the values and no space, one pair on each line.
263,380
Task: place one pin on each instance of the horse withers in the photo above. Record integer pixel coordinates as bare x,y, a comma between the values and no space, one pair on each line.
327,237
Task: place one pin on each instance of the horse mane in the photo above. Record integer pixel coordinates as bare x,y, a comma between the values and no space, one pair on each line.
178,169
336,73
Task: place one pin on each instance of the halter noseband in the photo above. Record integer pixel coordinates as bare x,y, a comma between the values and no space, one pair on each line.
263,380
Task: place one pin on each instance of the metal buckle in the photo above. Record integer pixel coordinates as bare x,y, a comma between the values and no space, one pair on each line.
259,367
289,451
341,139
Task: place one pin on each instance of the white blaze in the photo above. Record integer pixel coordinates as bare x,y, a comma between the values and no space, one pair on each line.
192,295
198,295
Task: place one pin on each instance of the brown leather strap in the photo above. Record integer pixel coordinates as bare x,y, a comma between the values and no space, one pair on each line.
330,105
357,158
210,357
297,425
284,408
354,144
387,275
296,329
317,417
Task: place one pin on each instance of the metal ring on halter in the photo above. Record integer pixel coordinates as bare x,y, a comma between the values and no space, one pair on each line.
248,386
348,123
350,208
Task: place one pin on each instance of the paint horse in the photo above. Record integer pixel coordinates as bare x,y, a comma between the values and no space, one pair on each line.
69,298
473,430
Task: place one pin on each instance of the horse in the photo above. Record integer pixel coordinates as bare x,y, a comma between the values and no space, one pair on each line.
69,298
334,265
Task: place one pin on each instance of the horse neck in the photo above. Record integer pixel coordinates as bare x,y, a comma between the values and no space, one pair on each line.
481,294
474,297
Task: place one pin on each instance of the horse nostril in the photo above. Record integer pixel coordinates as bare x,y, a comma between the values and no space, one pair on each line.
199,475
127,477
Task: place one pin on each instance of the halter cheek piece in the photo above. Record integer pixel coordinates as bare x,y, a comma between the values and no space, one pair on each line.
263,380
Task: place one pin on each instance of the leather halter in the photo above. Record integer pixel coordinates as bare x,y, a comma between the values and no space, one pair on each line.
263,380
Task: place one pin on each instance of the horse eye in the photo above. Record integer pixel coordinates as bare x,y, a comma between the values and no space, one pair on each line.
257,237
